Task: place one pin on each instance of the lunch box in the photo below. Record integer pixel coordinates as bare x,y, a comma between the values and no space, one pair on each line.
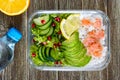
94,64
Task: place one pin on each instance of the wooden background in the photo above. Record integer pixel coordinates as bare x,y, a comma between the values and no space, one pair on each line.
19,69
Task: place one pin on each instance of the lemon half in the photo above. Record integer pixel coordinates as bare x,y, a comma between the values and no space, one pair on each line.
70,25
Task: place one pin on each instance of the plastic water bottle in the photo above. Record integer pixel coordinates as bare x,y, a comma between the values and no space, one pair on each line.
7,43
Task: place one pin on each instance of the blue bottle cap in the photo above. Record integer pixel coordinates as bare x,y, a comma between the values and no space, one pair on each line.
14,34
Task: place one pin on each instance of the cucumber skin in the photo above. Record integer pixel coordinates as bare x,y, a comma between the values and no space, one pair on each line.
44,32
40,54
37,20
43,53
50,31
45,26
48,54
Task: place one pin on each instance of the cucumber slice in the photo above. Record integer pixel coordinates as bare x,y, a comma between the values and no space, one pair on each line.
50,57
47,53
40,54
43,53
44,32
50,31
38,21
46,25
53,15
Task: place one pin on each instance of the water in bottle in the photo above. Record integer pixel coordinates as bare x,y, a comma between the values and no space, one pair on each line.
7,43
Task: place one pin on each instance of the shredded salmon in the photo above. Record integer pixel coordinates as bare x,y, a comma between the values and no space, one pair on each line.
98,23
92,33
96,34
86,22
97,54
92,40
100,34
89,41
93,46
95,49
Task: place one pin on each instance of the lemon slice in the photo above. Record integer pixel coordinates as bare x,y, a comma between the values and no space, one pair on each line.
70,25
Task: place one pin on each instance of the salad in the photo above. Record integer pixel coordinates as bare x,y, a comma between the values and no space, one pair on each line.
66,39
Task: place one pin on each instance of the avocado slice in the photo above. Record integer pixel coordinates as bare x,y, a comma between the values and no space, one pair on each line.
69,45
77,55
79,62
74,37
84,60
73,41
74,48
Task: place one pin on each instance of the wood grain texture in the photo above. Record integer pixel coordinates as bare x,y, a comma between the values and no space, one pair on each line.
114,66
20,69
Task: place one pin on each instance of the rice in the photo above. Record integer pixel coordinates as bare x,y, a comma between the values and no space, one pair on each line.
83,30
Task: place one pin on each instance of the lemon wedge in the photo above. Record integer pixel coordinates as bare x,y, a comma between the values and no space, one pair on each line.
70,25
